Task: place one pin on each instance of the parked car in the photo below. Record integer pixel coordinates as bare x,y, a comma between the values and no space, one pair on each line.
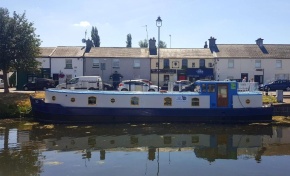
188,88
180,83
136,85
39,84
1,84
107,86
276,85
146,81
176,85
83,82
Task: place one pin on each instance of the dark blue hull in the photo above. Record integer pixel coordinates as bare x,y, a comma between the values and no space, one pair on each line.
57,113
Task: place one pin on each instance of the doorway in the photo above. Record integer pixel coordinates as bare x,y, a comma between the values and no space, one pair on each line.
222,95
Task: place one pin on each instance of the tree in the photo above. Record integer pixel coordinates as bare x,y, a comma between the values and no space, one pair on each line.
162,44
129,41
19,45
143,44
95,37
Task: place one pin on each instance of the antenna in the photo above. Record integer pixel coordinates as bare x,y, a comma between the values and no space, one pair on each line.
84,39
146,32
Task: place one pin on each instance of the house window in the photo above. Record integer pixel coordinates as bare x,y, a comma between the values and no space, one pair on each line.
175,64
68,64
137,63
116,63
96,63
231,63
166,64
201,63
278,63
184,64
193,65
195,102
257,63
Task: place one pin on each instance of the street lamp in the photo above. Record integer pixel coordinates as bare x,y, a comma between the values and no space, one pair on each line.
158,24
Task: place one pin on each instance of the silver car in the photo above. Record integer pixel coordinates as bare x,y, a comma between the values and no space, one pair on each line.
136,85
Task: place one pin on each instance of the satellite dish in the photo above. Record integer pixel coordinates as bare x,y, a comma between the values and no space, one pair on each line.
84,40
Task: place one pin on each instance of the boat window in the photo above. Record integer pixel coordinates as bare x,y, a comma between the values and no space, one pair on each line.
167,140
195,139
195,102
53,98
203,88
135,101
134,140
92,100
211,88
167,101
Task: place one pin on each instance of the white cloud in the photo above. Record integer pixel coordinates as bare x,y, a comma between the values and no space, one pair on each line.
83,24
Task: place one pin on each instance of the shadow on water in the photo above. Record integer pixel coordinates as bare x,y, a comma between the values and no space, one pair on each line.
25,146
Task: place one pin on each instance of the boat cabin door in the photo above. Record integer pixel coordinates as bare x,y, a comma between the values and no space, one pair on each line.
222,95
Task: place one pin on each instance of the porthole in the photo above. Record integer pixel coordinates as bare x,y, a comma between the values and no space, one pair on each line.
113,100
72,99
248,101
53,98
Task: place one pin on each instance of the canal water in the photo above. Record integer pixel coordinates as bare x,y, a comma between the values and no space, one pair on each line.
30,148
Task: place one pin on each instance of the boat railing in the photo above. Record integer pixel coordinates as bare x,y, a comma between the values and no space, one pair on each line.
248,87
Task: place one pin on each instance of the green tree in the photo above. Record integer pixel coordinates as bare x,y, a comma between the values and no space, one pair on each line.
143,44
129,41
19,45
162,44
95,37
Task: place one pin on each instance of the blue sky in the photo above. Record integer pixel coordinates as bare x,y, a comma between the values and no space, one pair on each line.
189,22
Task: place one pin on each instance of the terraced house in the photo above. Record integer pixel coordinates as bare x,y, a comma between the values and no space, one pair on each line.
258,61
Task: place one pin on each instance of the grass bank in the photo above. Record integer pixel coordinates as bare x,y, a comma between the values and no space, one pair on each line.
15,105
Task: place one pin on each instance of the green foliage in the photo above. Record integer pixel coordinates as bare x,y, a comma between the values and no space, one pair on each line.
129,41
19,44
143,44
162,44
95,37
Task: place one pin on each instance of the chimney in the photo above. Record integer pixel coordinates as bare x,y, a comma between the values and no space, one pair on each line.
89,45
152,47
259,42
212,45
212,42
205,44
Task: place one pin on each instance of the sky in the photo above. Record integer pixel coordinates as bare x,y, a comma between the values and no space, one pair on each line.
185,23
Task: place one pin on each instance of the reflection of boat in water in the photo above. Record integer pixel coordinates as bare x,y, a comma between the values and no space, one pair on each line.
207,141
214,101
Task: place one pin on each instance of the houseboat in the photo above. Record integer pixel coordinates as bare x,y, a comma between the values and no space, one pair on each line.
213,101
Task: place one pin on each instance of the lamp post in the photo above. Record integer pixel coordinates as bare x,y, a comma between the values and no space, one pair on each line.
158,24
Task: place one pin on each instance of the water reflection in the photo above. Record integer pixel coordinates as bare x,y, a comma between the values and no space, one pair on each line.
28,148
